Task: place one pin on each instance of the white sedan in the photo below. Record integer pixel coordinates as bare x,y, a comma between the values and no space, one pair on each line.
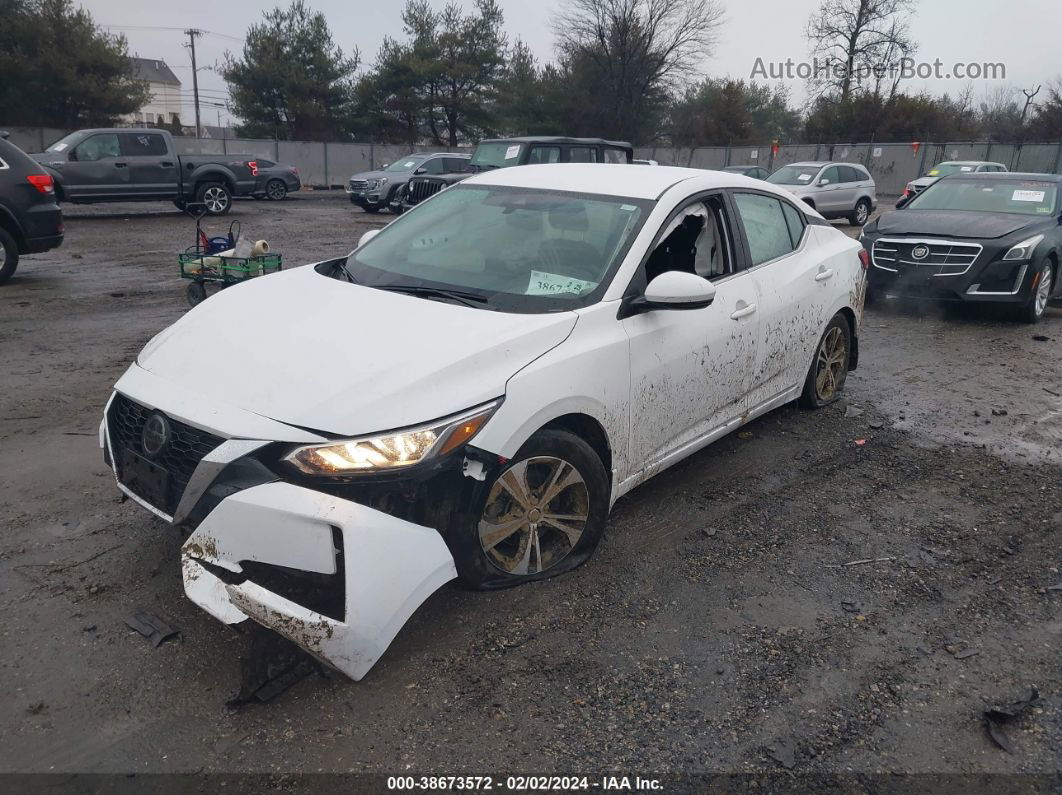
469,392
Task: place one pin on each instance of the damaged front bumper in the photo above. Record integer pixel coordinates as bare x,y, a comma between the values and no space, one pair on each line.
336,577
381,570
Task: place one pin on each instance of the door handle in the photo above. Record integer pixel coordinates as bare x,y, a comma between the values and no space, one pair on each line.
166,164
822,276
743,312
120,165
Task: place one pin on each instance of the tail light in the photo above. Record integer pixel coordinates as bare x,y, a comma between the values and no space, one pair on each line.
864,257
42,182
253,165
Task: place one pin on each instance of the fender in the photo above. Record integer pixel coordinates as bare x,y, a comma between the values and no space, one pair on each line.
11,224
210,172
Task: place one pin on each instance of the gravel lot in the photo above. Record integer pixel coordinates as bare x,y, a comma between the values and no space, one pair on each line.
717,629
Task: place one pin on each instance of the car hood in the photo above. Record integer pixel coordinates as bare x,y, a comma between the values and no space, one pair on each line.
952,223
378,174
311,351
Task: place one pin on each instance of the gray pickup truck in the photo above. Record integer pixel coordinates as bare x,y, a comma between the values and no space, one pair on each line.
133,164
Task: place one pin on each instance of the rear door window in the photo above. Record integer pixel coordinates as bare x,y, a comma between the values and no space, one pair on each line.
766,228
140,144
582,154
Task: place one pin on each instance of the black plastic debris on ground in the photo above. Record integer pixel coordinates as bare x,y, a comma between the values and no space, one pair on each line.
997,717
272,665
151,627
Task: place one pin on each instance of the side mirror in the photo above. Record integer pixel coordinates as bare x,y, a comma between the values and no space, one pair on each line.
823,183
420,170
673,290
367,237
903,202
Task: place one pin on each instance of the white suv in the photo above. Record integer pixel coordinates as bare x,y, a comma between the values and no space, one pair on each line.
836,190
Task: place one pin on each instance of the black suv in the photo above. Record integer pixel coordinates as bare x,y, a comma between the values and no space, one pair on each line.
524,151
30,220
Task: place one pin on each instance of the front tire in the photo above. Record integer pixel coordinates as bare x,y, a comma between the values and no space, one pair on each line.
8,256
829,368
1032,311
215,196
861,214
543,514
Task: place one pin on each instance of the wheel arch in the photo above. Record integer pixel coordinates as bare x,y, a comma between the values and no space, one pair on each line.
853,334
10,224
200,178
589,430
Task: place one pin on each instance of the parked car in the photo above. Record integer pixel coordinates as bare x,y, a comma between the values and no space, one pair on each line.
756,172
640,162
992,238
836,190
375,190
555,336
274,180
947,169
30,220
528,150
123,165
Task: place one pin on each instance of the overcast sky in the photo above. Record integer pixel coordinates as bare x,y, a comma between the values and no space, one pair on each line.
1022,34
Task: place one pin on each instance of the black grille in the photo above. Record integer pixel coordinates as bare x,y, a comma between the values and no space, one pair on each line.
180,457
942,258
358,184
421,189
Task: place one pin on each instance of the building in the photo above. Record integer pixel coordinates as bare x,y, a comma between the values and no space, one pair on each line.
164,107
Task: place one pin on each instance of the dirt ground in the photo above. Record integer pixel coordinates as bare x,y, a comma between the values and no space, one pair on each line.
719,628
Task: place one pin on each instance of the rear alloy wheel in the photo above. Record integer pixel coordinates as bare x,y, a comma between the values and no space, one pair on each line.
860,214
543,514
1033,309
215,197
276,190
829,369
8,256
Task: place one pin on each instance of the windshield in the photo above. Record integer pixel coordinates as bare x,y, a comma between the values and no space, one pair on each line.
496,155
946,169
407,163
794,175
1003,196
516,249
65,142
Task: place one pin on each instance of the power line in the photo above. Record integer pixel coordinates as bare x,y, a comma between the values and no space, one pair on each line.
161,27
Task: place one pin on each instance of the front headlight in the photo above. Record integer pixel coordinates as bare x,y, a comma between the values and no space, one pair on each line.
1023,250
392,450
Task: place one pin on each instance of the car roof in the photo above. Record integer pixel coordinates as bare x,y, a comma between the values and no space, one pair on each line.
821,163
968,163
620,179
557,139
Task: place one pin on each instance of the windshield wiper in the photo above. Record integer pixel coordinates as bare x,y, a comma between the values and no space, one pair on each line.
468,299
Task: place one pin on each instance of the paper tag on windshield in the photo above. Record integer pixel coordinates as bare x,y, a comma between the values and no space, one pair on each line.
804,177
59,147
542,283
409,164
1029,195
512,151
966,168
934,173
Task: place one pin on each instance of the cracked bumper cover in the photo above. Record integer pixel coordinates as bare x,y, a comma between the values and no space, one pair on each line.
390,567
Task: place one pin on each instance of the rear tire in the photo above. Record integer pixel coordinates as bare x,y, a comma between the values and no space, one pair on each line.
861,214
371,208
196,293
1032,311
8,256
215,196
829,367
510,537
276,190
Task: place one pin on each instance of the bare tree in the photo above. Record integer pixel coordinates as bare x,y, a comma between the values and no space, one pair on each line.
860,37
627,58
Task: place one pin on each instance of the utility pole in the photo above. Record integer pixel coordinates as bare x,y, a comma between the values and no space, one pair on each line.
192,33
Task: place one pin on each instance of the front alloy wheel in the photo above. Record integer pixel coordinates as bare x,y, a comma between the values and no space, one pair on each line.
535,515
829,370
542,514
1044,283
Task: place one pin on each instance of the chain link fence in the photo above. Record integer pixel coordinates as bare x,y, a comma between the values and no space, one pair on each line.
893,165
